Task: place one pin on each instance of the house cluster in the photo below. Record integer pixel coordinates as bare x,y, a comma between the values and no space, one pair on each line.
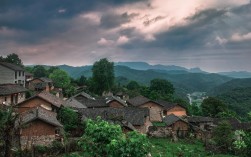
38,114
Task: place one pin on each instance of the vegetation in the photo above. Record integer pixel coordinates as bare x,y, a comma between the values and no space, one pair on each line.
12,58
104,139
212,107
103,76
162,147
69,118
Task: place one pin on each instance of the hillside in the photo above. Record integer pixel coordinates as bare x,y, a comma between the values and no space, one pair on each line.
183,81
236,94
237,74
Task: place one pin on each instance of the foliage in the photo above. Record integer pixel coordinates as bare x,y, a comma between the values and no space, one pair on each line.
82,81
39,71
104,139
163,147
247,140
12,58
212,107
131,145
69,118
60,78
133,85
7,129
194,110
162,87
103,76
223,136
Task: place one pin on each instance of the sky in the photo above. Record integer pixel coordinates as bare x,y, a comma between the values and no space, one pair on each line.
214,35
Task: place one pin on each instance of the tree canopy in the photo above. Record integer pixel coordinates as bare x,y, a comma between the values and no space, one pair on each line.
103,76
60,78
12,58
212,107
39,71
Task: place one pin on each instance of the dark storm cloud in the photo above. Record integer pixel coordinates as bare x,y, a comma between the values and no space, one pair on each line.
112,20
46,18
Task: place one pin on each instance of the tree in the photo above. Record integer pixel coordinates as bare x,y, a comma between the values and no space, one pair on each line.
103,139
212,107
133,85
60,78
51,69
103,76
161,89
223,135
7,129
13,58
39,71
82,80
69,118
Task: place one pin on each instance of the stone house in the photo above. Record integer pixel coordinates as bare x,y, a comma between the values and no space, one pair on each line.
11,74
43,99
11,94
129,118
156,110
172,108
178,126
41,84
38,126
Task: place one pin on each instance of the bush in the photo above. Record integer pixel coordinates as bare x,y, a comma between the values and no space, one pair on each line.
102,139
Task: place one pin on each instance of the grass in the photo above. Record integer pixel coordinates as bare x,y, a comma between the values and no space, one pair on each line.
162,147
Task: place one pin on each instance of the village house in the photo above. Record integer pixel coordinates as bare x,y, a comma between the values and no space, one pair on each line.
41,84
156,110
177,125
129,118
38,127
204,123
11,74
43,99
115,102
11,94
172,108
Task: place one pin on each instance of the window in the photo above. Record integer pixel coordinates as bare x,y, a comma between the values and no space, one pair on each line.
19,73
23,73
5,98
15,74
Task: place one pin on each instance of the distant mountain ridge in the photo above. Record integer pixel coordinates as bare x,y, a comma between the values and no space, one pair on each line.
146,66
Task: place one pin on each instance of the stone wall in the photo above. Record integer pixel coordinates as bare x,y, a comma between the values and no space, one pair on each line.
28,141
159,131
156,111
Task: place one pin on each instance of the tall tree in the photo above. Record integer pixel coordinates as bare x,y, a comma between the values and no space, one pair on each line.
103,76
212,107
60,78
12,58
39,71
161,89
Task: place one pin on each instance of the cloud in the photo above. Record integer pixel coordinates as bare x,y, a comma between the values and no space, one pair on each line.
105,42
122,40
238,37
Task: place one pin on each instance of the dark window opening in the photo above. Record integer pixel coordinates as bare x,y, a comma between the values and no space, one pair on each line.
15,74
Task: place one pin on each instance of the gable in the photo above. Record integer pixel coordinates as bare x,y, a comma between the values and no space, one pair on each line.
34,102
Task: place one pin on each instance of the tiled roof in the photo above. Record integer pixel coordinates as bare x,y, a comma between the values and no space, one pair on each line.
114,98
45,79
170,119
199,119
235,123
72,102
136,116
54,100
137,101
167,105
12,66
7,89
83,94
41,114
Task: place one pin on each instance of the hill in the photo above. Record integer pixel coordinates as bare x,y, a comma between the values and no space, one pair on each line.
236,94
183,81
237,74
